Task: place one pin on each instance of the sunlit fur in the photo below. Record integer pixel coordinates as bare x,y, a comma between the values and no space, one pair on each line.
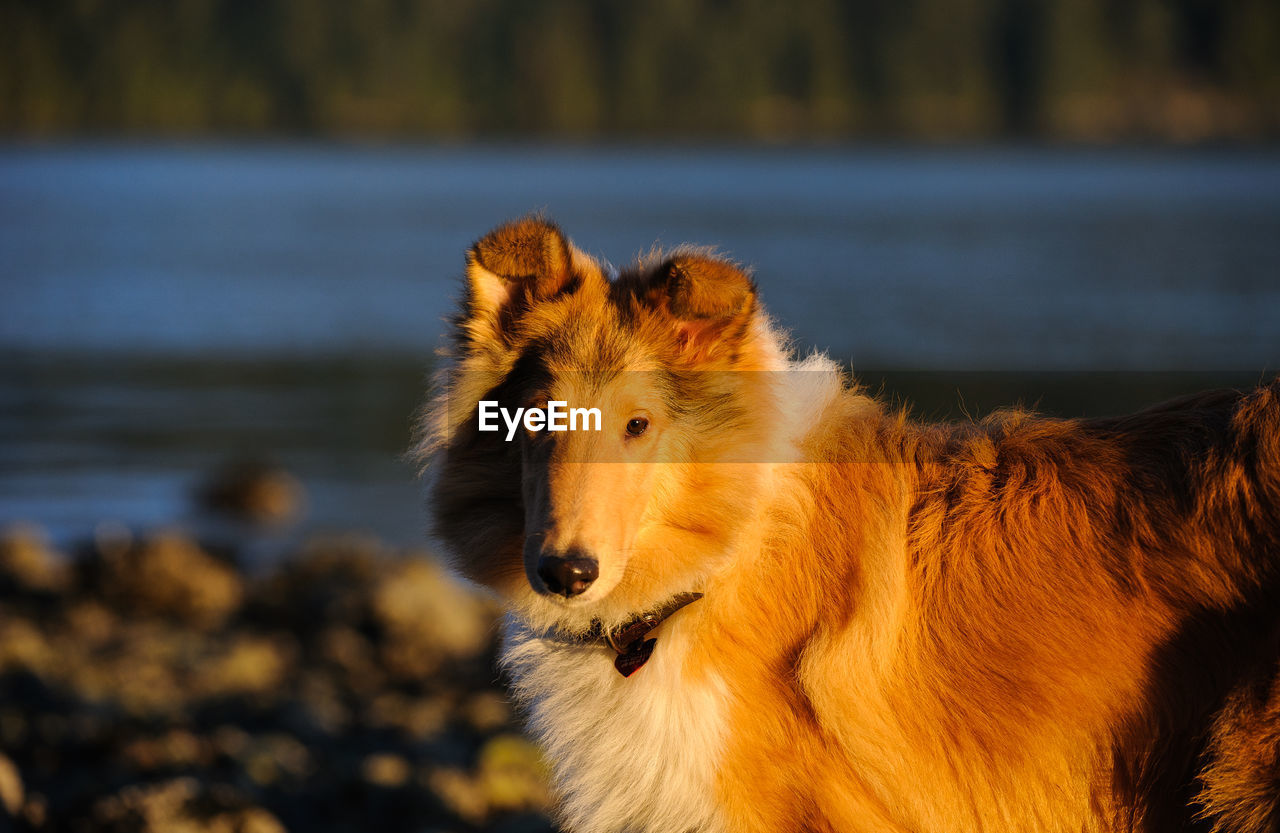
1022,624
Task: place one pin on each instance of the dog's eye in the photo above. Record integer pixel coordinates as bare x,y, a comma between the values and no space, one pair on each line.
637,426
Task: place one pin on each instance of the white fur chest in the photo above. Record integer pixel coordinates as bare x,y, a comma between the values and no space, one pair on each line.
629,754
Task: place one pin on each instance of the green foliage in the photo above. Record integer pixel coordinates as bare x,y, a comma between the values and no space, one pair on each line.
809,69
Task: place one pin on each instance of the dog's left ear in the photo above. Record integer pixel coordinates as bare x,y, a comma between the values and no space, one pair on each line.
711,301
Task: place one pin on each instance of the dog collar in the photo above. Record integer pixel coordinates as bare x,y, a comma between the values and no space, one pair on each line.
628,640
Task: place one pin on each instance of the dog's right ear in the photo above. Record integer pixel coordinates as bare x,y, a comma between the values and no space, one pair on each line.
710,302
507,270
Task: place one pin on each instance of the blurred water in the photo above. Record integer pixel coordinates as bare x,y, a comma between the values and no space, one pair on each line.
965,259
162,308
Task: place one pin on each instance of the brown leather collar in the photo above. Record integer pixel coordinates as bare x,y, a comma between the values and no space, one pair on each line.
628,641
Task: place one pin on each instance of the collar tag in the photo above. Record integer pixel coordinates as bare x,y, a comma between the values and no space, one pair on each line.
628,641
630,661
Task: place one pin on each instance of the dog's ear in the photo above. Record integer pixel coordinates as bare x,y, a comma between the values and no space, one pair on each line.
711,301
508,269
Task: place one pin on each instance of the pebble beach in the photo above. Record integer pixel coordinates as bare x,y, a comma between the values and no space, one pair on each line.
150,682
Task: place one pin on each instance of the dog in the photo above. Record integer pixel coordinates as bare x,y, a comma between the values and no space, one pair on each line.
759,600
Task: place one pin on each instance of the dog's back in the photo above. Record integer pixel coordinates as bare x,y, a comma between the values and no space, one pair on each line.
1068,583
1205,752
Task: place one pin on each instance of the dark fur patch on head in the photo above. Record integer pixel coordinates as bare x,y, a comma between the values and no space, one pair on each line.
711,400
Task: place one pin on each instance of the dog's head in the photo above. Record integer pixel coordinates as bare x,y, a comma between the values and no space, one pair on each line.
642,497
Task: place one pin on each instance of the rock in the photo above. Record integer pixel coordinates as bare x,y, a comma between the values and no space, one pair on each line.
513,774
386,770
28,563
231,741
170,575
347,649
254,491
11,791
13,727
176,748
417,717
487,711
92,623
323,703
180,805
24,646
160,660
460,793
144,669
274,757
258,820
329,580
427,617
510,777
36,811
248,665
112,539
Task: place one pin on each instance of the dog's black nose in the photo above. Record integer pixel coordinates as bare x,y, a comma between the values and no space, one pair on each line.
567,576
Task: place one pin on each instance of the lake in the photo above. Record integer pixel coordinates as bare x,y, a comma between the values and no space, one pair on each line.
164,309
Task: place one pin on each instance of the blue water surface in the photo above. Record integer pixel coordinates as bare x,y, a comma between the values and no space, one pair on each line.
968,259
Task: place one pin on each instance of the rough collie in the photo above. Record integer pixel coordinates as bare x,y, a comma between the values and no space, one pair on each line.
756,600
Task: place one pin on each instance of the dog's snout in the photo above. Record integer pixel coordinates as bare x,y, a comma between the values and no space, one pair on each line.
568,576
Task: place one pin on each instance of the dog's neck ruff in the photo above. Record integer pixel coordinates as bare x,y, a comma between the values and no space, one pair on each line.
628,640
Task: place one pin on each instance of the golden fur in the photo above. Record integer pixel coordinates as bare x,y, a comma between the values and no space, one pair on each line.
1024,624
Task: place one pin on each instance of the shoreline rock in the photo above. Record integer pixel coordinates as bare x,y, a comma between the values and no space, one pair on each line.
152,685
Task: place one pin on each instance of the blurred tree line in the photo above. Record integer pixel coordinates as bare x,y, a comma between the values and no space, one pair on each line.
1181,70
